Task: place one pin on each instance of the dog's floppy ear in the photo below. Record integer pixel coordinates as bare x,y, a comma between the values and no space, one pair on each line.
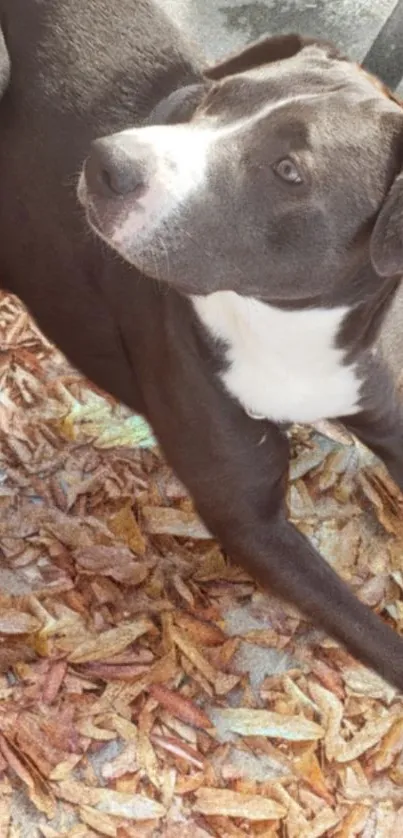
179,105
266,51
386,246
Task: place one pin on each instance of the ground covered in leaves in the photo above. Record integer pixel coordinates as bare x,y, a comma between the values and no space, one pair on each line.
148,689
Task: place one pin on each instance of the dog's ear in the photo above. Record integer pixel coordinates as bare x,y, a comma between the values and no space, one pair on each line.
266,51
179,106
386,246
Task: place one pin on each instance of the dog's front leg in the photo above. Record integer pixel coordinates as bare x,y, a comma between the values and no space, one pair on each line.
379,425
236,470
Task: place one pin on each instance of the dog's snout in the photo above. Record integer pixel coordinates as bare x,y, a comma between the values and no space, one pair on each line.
112,172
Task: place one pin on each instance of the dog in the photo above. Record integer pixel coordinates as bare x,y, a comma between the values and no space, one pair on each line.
247,255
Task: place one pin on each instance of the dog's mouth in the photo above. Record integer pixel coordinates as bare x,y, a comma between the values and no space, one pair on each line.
89,202
101,213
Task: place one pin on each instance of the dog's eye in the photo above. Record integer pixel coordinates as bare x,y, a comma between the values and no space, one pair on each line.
287,170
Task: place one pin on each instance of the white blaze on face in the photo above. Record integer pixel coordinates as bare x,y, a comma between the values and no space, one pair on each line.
282,365
180,158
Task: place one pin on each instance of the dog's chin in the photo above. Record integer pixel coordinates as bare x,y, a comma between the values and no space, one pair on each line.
97,225
107,226
101,223
106,229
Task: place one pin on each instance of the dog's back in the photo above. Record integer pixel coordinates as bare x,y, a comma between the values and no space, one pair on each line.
79,70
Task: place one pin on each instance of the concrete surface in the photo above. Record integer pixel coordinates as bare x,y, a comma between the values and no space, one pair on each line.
223,25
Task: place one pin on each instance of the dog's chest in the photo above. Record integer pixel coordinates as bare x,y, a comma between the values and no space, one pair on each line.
281,365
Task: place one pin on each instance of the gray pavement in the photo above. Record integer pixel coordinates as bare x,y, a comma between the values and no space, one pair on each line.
220,26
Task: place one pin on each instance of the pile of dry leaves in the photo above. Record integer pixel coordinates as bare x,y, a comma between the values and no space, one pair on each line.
149,688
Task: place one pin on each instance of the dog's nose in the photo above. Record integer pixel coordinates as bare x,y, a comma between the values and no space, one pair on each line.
111,171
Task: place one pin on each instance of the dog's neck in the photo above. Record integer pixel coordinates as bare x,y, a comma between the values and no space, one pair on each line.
281,365
292,364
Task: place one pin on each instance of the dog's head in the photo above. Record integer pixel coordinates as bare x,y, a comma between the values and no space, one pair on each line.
266,179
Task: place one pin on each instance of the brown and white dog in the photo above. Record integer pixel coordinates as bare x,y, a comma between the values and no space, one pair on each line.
258,209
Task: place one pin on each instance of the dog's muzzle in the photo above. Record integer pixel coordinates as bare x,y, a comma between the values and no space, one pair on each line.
111,173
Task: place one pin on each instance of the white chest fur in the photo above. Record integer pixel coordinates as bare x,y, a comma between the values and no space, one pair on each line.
282,365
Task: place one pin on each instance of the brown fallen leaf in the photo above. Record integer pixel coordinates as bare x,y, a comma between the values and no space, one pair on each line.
180,706
321,824
104,824
114,672
250,722
179,749
296,821
35,744
354,822
392,744
15,763
38,791
201,631
235,805
124,525
385,503
16,622
146,756
54,681
363,681
111,642
222,682
183,590
117,803
130,806
171,521
328,677
64,768
85,727
337,747
310,770
117,562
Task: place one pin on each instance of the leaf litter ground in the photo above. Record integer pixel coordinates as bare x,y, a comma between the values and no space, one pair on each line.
149,689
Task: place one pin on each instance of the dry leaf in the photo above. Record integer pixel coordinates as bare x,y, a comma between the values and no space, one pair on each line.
110,643
235,805
222,682
117,562
310,770
179,749
124,525
119,804
180,706
321,824
170,521
130,806
16,622
248,722
104,824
